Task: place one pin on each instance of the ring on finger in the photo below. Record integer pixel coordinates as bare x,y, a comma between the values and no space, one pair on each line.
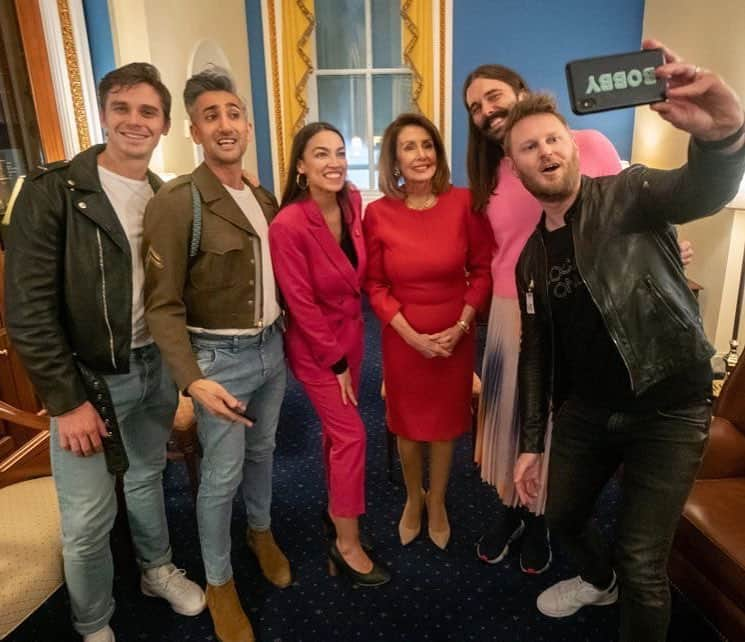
696,71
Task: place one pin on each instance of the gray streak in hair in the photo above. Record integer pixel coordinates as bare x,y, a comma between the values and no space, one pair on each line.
213,78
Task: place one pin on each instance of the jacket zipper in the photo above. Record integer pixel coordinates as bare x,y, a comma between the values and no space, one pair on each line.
105,304
600,310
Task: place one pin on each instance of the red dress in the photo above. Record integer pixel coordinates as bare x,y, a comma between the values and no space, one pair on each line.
427,264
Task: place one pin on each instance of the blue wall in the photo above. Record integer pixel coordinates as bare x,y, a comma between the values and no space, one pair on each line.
258,91
537,38
99,37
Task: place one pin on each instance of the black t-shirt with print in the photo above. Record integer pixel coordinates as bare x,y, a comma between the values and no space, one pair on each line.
588,363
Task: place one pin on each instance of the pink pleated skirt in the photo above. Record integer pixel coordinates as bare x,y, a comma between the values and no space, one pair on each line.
498,436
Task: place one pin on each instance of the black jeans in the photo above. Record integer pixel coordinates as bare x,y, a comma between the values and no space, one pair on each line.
660,452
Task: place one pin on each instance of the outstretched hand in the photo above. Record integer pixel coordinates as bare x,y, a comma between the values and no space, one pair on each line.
698,100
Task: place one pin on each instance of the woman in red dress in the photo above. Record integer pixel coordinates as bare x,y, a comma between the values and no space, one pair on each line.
427,274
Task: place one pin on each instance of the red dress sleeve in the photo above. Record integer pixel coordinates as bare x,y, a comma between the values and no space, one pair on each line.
376,283
478,258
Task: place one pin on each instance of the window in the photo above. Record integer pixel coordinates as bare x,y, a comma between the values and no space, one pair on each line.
361,82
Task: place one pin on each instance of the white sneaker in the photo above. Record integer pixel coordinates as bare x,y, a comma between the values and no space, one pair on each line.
102,635
170,583
568,597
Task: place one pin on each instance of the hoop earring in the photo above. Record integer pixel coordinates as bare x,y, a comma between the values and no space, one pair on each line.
304,185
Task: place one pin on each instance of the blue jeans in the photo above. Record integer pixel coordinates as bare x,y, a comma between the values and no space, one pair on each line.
252,369
661,452
145,401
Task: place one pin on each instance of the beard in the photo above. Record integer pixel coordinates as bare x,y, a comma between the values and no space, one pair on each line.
553,192
494,135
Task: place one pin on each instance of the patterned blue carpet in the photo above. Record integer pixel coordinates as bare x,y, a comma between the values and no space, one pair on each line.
435,596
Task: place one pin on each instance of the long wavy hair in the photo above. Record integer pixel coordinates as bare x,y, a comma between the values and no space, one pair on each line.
292,191
484,155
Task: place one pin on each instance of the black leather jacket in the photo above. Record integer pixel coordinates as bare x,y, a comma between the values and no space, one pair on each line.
627,254
68,279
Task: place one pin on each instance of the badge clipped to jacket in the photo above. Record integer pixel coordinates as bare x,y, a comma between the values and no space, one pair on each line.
529,304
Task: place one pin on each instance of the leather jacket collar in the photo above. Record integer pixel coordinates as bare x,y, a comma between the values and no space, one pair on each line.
83,171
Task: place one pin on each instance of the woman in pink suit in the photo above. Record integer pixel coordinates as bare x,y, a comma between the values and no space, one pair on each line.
319,260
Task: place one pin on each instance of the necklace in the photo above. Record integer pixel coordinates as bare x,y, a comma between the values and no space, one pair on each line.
425,205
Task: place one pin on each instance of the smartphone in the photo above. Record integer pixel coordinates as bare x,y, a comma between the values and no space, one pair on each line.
614,82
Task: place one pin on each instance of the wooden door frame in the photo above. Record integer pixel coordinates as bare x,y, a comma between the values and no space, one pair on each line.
40,75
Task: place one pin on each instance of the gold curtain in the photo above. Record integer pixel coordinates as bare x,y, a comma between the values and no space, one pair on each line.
298,23
419,54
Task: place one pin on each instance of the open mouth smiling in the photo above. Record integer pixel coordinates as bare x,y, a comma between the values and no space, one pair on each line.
133,135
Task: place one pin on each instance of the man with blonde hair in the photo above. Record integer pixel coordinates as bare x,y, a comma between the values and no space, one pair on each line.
613,344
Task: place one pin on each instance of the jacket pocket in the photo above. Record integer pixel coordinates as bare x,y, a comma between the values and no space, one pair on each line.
218,263
660,297
698,415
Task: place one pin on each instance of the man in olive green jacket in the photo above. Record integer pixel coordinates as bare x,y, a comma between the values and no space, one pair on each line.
211,305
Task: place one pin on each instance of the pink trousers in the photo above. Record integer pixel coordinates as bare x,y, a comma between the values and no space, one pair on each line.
343,439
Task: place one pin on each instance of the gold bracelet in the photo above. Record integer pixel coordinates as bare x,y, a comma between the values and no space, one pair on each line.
464,326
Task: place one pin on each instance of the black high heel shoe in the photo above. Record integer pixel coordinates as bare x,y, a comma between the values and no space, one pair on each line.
329,530
378,576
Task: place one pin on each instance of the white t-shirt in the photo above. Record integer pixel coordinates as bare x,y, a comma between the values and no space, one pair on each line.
129,197
268,310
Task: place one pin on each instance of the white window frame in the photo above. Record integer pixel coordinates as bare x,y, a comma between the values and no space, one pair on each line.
368,71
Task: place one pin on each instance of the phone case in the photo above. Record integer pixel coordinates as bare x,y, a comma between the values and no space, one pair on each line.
613,82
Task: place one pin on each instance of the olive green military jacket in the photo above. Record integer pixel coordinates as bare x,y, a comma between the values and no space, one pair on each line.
213,290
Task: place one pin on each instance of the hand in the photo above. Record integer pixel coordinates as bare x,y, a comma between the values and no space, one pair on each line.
449,338
346,387
686,252
218,401
527,477
426,346
81,429
698,100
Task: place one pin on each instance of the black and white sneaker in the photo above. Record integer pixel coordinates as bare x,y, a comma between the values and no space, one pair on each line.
535,551
494,545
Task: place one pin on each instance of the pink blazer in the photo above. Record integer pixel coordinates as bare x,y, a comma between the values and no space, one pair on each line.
320,287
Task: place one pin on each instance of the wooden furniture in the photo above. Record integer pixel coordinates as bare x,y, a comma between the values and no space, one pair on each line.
390,438
707,561
30,542
15,387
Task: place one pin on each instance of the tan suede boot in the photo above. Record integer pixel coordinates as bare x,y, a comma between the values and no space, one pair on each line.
228,617
273,563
